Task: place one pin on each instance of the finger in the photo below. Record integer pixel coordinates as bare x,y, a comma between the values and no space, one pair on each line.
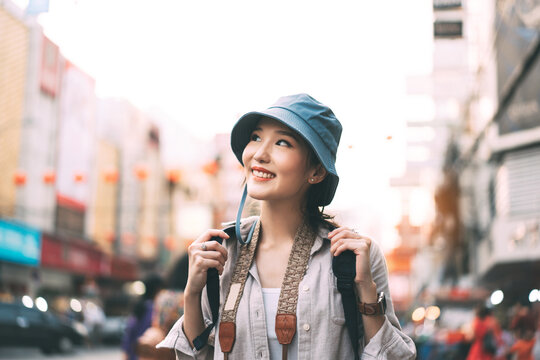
344,246
346,235
336,231
209,234
356,245
350,235
215,246
212,255
203,264
336,244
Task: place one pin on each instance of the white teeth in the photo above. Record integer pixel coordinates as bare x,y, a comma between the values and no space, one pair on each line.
263,174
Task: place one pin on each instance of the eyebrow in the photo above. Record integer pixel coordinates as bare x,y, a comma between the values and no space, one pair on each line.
282,132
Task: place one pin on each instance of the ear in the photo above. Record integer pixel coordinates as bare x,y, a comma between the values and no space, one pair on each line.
317,174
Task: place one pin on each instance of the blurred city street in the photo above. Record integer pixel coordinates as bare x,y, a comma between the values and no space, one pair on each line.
115,155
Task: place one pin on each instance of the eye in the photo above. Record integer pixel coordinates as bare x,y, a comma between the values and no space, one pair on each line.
284,143
255,137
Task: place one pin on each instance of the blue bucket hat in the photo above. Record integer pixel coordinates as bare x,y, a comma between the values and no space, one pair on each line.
313,121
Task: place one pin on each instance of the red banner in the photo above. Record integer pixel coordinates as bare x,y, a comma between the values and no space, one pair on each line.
76,257
83,258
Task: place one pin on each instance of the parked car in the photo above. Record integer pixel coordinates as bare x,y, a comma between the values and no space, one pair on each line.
113,329
22,326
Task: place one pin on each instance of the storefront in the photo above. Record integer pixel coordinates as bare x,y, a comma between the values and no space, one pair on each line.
87,271
20,253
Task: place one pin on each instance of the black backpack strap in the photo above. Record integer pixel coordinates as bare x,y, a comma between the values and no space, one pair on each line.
212,292
344,267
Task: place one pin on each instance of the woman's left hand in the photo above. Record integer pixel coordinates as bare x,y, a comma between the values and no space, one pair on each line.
343,239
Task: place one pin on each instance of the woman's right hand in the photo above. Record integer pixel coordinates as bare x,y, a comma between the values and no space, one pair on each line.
214,256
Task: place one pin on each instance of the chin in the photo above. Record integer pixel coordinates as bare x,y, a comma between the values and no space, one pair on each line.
257,195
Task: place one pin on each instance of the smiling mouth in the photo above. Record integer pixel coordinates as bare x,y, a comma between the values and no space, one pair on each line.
262,174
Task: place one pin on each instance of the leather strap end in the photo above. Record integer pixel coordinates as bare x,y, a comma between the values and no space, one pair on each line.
227,335
285,328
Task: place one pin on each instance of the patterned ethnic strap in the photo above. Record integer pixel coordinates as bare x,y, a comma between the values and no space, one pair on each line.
288,298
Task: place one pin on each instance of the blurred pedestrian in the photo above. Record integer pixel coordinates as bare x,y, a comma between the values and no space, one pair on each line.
141,317
536,347
487,335
523,347
280,295
94,319
168,308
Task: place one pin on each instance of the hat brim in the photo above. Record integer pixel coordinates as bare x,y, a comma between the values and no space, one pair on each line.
243,128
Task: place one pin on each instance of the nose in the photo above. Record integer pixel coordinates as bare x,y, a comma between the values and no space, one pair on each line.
262,153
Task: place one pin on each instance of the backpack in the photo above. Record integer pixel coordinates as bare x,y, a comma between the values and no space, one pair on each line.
344,268
489,343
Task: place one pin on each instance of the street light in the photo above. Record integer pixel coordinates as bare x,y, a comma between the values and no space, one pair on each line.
41,304
497,297
534,295
27,301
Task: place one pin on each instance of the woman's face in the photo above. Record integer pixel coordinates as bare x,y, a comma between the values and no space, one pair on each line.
276,163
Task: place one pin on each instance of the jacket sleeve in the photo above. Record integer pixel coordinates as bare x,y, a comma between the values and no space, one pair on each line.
177,339
389,343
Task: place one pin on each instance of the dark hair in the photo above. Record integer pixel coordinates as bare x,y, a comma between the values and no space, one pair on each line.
176,278
153,283
482,311
315,214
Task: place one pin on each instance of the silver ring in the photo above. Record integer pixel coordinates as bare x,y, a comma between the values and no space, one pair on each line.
203,246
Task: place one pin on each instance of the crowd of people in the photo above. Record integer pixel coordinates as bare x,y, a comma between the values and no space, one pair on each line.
508,335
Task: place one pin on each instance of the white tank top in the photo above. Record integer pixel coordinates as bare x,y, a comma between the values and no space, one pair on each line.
271,299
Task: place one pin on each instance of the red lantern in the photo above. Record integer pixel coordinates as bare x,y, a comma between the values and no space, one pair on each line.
49,177
141,172
170,243
174,176
111,177
110,237
79,177
152,240
19,178
128,239
211,168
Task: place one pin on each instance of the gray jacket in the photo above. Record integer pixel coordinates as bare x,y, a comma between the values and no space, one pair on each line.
321,330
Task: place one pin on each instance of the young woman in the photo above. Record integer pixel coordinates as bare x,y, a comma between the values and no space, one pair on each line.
278,293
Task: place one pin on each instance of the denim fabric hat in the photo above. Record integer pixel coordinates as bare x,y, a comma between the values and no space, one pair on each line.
314,121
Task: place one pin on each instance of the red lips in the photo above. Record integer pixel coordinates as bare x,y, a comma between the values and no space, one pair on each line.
264,171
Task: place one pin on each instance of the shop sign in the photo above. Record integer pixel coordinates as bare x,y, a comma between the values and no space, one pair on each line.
448,29
73,256
446,4
19,244
123,268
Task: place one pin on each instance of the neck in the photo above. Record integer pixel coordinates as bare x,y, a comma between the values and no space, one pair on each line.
280,221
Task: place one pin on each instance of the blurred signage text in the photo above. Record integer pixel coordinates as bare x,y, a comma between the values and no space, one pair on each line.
446,4
19,244
448,29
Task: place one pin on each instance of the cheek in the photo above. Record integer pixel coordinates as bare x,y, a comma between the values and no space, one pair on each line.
295,166
247,154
